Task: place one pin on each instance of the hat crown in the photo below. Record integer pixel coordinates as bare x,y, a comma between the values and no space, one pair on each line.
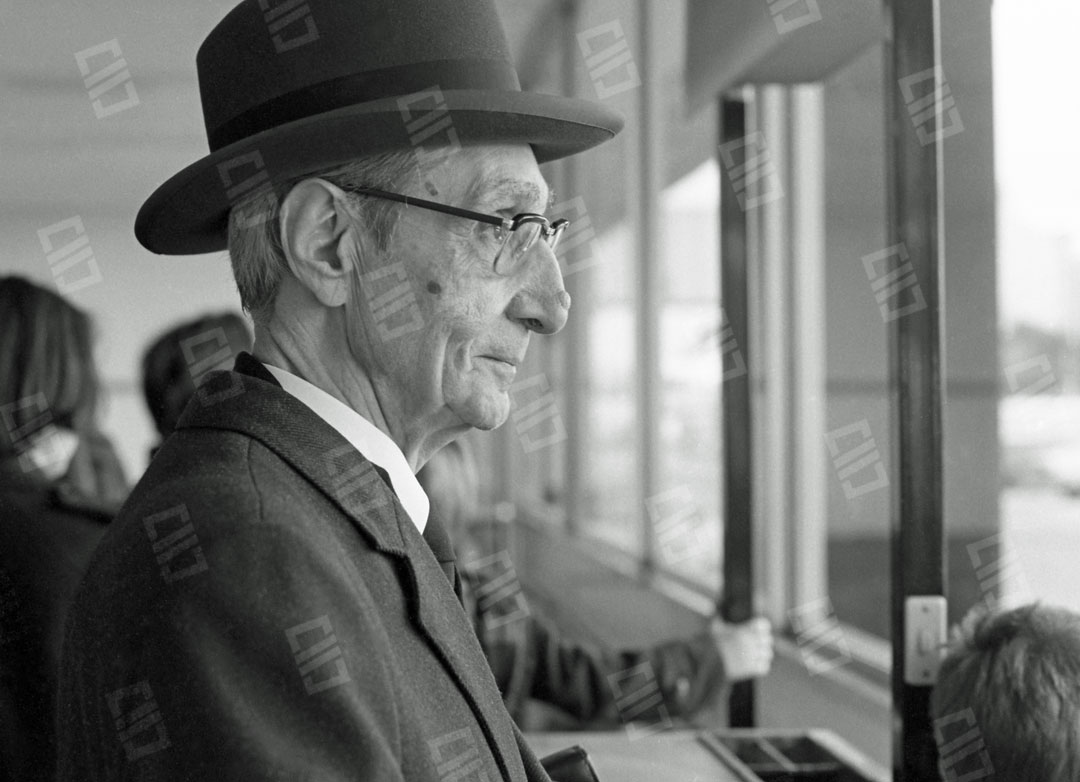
270,61
292,87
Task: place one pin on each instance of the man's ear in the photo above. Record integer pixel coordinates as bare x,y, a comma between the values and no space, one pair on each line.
312,221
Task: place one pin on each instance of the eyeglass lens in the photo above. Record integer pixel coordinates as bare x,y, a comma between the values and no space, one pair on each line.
522,239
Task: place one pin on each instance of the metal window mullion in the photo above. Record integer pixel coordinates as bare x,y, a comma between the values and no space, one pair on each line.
774,360
916,222
808,528
737,603
651,183
576,339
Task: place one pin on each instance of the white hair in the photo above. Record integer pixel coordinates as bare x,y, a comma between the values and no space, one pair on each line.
258,260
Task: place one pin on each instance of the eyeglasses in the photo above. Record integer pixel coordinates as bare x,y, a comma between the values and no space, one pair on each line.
515,236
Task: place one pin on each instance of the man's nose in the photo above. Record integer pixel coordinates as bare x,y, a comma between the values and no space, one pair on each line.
541,303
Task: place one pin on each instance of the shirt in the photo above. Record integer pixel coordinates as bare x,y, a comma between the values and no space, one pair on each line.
365,437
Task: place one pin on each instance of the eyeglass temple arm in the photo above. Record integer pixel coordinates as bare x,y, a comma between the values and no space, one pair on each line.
433,205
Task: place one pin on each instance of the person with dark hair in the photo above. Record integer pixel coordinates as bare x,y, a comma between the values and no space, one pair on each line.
183,356
530,656
60,483
1006,705
273,601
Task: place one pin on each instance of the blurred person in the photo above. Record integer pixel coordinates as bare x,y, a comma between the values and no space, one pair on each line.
60,484
184,355
531,657
1006,705
273,601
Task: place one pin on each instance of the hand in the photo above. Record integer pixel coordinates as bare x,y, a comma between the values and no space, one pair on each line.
746,648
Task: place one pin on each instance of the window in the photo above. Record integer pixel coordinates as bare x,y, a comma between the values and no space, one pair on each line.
683,515
1038,166
819,358
609,507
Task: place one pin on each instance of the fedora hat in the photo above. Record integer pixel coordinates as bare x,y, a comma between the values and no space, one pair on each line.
290,87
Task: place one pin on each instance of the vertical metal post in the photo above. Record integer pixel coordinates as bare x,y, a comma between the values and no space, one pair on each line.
648,262
808,526
915,224
773,321
576,342
736,604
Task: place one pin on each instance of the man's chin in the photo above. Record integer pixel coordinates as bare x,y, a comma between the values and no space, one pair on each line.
487,413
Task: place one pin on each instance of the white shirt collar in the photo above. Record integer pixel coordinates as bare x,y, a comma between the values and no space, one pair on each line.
365,437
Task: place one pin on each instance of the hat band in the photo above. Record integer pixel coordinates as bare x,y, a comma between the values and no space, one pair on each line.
397,81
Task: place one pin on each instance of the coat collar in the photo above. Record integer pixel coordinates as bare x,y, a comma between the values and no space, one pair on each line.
251,402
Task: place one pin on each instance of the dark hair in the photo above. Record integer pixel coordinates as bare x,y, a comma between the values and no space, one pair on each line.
1015,677
47,372
179,358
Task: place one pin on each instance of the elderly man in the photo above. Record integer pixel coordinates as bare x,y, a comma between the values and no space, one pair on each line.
273,601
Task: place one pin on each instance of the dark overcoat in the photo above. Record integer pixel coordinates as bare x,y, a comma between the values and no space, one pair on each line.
48,532
264,609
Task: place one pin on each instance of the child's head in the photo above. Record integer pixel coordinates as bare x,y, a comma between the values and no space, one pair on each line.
1007,699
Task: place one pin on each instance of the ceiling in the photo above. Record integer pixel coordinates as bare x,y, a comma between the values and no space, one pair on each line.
56,156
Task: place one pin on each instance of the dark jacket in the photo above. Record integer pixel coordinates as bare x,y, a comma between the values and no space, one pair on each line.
48,531
264,609
531,658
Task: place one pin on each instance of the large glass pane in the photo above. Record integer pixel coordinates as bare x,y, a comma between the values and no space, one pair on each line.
857,440
685,514
609,501
1038,164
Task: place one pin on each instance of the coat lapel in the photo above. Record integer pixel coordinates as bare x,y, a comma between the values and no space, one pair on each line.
250,401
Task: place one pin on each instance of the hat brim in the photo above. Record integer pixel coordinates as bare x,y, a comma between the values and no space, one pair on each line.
188,214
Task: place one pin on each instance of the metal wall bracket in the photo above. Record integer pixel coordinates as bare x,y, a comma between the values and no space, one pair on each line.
924,641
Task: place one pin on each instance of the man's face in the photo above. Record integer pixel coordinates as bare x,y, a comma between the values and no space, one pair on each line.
438,328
